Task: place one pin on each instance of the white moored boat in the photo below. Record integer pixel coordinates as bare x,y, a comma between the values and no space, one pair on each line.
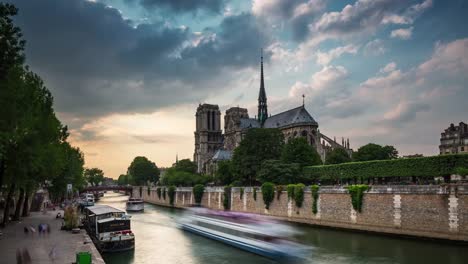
255,234
135,205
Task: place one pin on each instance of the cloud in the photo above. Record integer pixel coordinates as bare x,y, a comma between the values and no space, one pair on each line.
405,111
329,77
180,6
97,63
402,33
325,58
388,68
374,48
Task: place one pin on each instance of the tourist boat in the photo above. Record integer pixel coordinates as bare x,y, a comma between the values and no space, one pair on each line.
109,228
135,205
87,199
248,232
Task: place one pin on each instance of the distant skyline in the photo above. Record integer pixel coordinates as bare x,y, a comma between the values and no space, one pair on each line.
127,75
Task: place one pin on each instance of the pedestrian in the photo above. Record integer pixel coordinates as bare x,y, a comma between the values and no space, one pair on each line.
53,253
26,230
26,256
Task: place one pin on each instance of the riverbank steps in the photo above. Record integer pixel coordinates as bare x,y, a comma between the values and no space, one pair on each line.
425,211
58,246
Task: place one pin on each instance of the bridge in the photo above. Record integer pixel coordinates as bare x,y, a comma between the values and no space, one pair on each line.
126,189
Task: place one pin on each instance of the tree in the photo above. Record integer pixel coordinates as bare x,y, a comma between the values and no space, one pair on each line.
224,172
123,179
299,151
94,176
142,171
337,156
186,165
182,178
373,151
259,144
279,172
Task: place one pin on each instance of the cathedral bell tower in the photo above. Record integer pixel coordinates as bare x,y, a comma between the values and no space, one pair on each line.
262,99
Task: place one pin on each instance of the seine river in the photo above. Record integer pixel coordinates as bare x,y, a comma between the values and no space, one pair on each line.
158,240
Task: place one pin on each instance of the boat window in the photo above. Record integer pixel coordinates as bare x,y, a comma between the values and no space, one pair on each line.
116,225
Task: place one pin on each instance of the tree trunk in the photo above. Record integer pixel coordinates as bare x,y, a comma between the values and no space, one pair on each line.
6,212
26,204
17,214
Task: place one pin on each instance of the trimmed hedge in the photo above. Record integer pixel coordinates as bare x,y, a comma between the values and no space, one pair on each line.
299,194
227,197
171,191
315,195
427,167
268,193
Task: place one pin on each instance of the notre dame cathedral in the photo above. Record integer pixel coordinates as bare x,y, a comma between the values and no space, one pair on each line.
211,145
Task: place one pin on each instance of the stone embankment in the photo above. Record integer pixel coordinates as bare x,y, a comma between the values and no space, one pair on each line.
439,212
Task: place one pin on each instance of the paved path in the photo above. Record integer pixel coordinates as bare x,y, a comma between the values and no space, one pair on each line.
65,243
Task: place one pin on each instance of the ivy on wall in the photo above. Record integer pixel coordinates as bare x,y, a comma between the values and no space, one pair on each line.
290,190
241,193
149,191
315,196
279,191
141,191
268,193
171,192
198,191
164,194
357,194
158,192
255,193
299,194
227,197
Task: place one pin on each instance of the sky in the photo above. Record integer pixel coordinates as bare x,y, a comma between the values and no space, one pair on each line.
127,75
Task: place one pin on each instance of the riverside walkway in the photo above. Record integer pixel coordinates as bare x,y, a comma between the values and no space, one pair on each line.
58,246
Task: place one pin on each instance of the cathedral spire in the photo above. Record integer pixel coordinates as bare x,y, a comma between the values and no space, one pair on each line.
262,99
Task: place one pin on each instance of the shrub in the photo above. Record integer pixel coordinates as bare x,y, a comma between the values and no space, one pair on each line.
299,194
158,192
171,191
227,197
357,193
241,193
290,189
71,218
426,167
255,193
268,193
315,195
198,192
164,194
279,191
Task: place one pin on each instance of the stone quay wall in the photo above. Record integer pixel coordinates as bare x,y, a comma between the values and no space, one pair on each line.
439,212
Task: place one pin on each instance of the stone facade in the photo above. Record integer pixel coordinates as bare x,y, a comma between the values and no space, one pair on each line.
421,211
454,139
208,134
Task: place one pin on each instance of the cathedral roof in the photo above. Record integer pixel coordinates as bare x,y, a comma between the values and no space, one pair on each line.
222,154
249,123
290,117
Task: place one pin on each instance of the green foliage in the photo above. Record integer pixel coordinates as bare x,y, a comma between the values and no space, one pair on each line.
94,176
298,150
158,192
71,218
279,191
255,193
279,173
461,171
268,193
183,178
258,145
141,191
164,193
123,180
148,191
241,193
12,46
171,191
224,174
299,194
290,188
198,192
357,193
186,165
315,196
142,171
337,156
373,151
425,167
227,198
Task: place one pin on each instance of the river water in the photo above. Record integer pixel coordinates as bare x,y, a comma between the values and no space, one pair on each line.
158,240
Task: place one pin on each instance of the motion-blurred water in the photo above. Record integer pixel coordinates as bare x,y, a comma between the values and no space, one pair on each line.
158,240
